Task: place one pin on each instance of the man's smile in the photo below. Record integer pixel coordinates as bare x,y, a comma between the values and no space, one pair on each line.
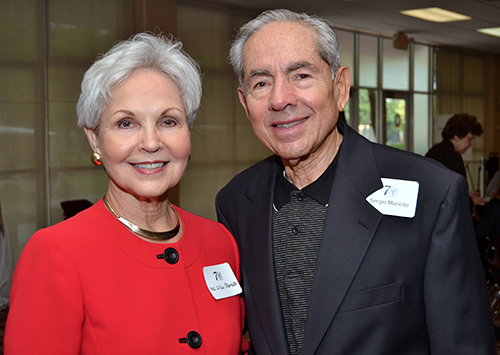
289,125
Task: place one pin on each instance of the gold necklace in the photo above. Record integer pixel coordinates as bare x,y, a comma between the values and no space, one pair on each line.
143,232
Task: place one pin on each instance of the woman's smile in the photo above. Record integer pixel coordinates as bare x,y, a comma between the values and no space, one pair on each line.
150,168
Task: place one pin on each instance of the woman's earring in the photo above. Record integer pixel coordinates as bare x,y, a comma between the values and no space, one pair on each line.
96,159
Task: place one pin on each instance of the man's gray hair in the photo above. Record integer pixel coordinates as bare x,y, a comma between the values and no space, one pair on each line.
326,40
142,51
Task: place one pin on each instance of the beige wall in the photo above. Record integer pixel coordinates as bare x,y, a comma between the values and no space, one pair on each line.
45,156
223,142
155,16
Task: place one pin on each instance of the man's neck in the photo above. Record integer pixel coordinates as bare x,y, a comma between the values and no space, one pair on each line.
304,171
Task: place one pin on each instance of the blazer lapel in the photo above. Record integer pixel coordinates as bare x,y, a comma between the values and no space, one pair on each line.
350,225
256,225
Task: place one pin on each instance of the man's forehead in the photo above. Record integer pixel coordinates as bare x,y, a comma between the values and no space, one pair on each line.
278,34
286,44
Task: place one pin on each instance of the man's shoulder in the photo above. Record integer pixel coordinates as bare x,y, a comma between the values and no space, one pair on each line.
389,160
262,168
409,164
235,196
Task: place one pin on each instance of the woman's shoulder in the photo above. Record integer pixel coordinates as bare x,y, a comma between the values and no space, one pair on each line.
218,245
73,228
192,219
212,232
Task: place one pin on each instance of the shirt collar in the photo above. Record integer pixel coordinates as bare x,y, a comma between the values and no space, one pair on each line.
319,189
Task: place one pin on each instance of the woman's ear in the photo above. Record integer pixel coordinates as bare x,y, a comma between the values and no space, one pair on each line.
92,137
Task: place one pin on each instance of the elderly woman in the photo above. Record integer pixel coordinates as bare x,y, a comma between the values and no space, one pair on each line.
132,274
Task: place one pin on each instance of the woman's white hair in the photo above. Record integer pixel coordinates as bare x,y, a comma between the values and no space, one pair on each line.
326,40
141,51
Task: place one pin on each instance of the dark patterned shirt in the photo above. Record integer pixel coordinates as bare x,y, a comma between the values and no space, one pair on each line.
298,218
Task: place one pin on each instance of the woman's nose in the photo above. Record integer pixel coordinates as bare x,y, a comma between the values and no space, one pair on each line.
150,139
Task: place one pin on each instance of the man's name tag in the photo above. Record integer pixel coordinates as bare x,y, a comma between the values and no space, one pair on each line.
221,281
396,198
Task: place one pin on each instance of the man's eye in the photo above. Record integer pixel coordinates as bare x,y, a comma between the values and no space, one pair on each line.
303,76
260,84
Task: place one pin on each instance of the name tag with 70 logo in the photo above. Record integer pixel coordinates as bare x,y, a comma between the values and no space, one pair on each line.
221,281
396,198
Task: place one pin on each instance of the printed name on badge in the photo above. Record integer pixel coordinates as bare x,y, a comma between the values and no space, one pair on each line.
396,198
221,281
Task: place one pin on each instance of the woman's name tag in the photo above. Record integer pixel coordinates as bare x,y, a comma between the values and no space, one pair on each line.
221,281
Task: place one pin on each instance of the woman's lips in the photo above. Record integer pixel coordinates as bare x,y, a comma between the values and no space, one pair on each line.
149,165
150,168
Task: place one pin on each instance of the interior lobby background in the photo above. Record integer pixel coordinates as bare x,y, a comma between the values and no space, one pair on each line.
46,47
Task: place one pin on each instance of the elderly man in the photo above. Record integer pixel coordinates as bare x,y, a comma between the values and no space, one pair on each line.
347,247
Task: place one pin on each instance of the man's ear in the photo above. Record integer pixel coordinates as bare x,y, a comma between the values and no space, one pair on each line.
243,100
92,137
342,85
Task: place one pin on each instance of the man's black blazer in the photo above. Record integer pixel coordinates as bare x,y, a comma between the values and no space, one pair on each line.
383,284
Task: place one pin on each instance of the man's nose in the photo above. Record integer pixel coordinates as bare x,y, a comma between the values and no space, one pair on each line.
282,95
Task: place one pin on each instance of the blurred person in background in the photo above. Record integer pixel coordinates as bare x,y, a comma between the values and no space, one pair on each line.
458,135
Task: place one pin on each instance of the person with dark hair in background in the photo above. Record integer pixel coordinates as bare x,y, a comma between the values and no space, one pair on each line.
347,246
458,136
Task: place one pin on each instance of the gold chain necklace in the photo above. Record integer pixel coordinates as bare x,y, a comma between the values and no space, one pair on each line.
143,232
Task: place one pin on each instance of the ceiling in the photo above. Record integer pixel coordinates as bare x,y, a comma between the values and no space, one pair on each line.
382,17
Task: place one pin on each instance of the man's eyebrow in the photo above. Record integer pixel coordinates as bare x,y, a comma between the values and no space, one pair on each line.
258,72
299,65
291,68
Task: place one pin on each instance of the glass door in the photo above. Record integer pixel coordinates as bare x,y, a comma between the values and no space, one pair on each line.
367,114
396,121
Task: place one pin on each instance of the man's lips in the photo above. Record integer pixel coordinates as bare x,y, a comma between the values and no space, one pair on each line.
289,125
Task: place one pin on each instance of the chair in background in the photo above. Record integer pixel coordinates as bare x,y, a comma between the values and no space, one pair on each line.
493,260
72,207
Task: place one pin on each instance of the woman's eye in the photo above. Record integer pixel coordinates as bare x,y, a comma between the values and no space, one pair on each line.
125,124
168,122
